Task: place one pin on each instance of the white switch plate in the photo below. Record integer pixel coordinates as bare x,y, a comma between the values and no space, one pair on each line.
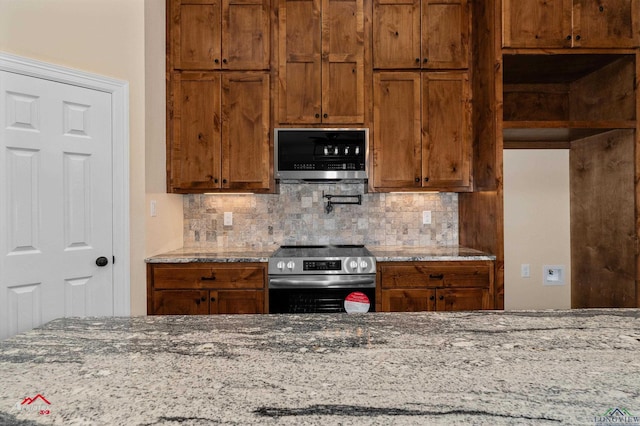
228,218
426,217
525,270
153,208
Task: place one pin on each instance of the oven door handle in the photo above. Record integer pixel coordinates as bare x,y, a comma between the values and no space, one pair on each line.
324,281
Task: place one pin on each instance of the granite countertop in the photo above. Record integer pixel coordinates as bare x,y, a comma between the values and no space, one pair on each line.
419,254
189,255
486,368
382,254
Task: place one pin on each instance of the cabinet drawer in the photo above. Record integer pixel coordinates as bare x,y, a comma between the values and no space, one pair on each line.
195,277
432,276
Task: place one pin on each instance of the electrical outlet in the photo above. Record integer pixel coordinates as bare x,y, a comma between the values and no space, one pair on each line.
228,218
426,217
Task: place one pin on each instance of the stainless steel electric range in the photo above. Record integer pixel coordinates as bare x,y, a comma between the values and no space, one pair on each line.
315,279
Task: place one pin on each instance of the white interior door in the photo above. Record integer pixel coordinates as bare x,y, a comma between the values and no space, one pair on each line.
55,202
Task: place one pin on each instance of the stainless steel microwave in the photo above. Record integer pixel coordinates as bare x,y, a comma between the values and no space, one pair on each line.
321,154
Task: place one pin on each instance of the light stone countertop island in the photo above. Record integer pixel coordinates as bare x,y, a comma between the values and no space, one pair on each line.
485,368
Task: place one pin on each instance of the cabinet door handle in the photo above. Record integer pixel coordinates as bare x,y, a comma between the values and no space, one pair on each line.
432,298
211,278
426,179
425,60
203,298
325,115
217,61
417,180
578,37
441,298
224,61
224,181
317,115
417,60
215,180
213,299
436,276
569,37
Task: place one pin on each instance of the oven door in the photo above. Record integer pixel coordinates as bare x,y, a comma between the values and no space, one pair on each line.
318,293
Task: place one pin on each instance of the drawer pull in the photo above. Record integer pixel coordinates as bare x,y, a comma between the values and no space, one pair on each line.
211,278
441,297
436,276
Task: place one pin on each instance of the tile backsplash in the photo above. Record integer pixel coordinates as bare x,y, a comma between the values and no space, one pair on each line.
297,215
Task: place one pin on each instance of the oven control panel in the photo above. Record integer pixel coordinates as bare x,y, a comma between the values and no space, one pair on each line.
348,265
322,265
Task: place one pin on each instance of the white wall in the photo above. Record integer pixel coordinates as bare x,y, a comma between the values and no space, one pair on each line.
105,37
164,231
536,226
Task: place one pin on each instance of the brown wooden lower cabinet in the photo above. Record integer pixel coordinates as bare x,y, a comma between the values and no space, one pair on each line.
435,286
205,288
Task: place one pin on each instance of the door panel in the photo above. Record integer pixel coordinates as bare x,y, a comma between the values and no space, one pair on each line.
445,34
196,34
446,142
396,34
535,23
300,62
245,131
397,153
56,194
245,34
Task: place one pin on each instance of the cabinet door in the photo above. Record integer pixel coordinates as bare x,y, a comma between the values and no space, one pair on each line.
237,302
196,34
445,34
180,302
245,34
343,61
396,121
446,149
535,23
245,131
396,34
606,23
299,53
462,299
405,300
195,143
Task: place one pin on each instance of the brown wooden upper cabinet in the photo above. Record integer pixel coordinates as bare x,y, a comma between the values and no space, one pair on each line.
220,34
571,23
422,131
321,61
428,34
220,137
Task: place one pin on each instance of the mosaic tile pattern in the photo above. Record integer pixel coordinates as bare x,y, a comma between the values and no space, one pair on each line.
297,216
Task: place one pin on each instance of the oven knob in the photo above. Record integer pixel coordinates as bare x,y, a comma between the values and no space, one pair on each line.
280,265
357,150
364,264
353,265
291,265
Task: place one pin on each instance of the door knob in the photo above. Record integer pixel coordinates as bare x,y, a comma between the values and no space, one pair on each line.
102,261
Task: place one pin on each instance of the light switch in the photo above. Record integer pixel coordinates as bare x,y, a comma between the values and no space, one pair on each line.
228,218
525,270
153,208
